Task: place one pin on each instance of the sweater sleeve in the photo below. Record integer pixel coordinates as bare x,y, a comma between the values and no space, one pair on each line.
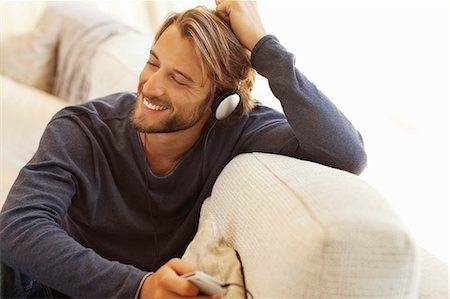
322,133
31,235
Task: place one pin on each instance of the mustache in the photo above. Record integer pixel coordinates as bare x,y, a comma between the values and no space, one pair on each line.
155,100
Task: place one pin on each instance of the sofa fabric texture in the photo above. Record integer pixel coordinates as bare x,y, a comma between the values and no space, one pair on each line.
303,230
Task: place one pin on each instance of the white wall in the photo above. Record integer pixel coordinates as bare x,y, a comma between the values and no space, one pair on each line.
385,64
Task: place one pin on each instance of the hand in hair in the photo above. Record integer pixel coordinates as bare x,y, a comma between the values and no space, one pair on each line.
244,19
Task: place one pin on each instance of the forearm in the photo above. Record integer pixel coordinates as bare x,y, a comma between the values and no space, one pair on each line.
62,264
324,134
32,237
33,242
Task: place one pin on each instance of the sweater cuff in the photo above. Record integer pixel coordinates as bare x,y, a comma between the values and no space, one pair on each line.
138,291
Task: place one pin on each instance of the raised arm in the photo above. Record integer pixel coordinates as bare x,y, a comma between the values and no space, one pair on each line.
322,133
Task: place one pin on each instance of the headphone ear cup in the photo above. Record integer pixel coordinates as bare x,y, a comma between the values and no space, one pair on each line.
225,105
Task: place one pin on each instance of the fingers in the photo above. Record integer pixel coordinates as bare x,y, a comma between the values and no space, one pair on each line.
223,9
180,267
178,285
244,19
167,283
172,280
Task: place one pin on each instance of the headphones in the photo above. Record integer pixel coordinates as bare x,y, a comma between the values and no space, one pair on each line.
225,105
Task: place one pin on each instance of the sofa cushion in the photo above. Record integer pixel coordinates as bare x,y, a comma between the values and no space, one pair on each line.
25,114
118,62
30,58
76,53
304,230
82,31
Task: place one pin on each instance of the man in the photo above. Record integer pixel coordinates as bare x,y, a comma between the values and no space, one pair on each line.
105,201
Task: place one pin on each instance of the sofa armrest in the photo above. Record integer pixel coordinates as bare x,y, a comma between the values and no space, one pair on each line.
304,230
434,278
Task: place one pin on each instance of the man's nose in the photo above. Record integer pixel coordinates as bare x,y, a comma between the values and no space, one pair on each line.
154,85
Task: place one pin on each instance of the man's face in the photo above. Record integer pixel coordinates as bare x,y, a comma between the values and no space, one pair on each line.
171,93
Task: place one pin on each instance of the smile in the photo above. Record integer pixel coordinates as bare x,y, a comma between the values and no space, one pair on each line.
153,107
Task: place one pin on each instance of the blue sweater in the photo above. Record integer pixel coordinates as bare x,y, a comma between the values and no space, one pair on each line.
87,217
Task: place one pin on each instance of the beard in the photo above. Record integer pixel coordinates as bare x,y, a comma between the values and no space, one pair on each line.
183,120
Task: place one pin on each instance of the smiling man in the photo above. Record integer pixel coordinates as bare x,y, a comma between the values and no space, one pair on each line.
171,73
173,97
112,197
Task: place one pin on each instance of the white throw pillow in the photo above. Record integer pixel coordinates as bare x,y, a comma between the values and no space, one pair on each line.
30,58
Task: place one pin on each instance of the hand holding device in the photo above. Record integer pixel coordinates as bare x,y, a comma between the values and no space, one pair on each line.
166,281
207,284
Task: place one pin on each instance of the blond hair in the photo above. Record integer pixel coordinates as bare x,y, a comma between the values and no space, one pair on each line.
224,61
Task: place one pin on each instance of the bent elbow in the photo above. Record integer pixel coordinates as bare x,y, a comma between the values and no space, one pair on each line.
357,161
360,163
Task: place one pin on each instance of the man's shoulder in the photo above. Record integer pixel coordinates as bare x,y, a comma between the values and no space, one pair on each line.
101,121
260,117
263,114
111,107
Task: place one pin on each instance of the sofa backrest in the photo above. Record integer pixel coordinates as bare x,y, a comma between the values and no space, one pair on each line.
76,53
118,62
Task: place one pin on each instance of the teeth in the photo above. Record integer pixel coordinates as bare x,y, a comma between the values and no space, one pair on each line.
153,107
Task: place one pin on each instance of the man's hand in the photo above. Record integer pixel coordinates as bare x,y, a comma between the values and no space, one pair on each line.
166,283
244,19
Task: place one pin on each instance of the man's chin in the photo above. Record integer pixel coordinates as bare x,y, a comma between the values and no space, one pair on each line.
146,129
169,125
161,129
140,125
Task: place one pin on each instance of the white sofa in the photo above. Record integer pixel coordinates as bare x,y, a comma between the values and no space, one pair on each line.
283,227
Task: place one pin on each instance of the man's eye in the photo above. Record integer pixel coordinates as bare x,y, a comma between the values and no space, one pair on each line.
152,64
178,82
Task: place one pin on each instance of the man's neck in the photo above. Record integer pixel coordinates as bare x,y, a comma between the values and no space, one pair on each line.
165,150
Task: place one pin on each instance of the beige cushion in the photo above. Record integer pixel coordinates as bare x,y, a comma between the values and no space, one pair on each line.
303,230
25,114
82,31
76,53
30,58
118,62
